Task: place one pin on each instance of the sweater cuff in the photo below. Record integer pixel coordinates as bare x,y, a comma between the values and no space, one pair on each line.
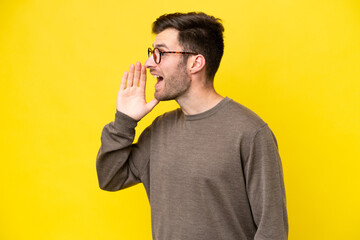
122,120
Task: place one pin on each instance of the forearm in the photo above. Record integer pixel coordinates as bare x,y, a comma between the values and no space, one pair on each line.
113,159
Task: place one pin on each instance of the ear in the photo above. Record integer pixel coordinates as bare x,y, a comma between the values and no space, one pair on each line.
197,63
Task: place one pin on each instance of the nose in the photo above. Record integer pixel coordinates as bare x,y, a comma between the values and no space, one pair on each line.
150,62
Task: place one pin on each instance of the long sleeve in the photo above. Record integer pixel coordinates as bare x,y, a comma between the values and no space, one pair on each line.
265,187
120,163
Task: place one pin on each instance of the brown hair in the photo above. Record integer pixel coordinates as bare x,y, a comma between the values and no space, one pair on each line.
198,32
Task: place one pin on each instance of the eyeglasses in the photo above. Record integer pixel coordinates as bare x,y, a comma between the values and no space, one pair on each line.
157,53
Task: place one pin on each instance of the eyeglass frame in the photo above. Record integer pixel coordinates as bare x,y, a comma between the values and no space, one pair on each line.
152,51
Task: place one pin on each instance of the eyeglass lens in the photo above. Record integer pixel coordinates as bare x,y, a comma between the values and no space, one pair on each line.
155,53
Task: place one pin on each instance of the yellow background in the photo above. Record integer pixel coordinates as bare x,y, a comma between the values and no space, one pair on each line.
294,62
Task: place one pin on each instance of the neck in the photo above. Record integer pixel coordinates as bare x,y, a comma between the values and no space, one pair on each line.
198,100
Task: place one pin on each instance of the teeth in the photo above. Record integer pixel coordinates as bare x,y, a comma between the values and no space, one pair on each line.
155,76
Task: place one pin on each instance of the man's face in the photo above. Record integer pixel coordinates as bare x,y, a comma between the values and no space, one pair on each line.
173,80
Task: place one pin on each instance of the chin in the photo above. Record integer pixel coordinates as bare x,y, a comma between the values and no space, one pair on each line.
161,97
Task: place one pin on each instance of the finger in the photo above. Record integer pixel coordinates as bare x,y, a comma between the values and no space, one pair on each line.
130,79
137,74
143,77
123,80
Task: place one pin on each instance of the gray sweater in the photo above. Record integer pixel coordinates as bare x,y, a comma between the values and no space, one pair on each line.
213,175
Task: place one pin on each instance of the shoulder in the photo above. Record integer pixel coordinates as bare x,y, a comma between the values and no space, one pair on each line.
237,114
168,118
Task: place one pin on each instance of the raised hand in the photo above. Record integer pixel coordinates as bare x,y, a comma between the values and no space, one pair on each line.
131,96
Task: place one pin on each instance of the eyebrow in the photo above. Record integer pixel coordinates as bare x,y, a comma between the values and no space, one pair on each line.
161,45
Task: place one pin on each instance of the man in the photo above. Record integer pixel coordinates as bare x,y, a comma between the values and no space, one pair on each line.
211,169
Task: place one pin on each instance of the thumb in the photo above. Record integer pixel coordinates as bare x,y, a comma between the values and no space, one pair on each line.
150,105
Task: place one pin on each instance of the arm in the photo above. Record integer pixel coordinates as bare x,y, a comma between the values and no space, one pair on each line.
265,187
120,163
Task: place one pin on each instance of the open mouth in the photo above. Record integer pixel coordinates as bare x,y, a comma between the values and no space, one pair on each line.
159,81
159,78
